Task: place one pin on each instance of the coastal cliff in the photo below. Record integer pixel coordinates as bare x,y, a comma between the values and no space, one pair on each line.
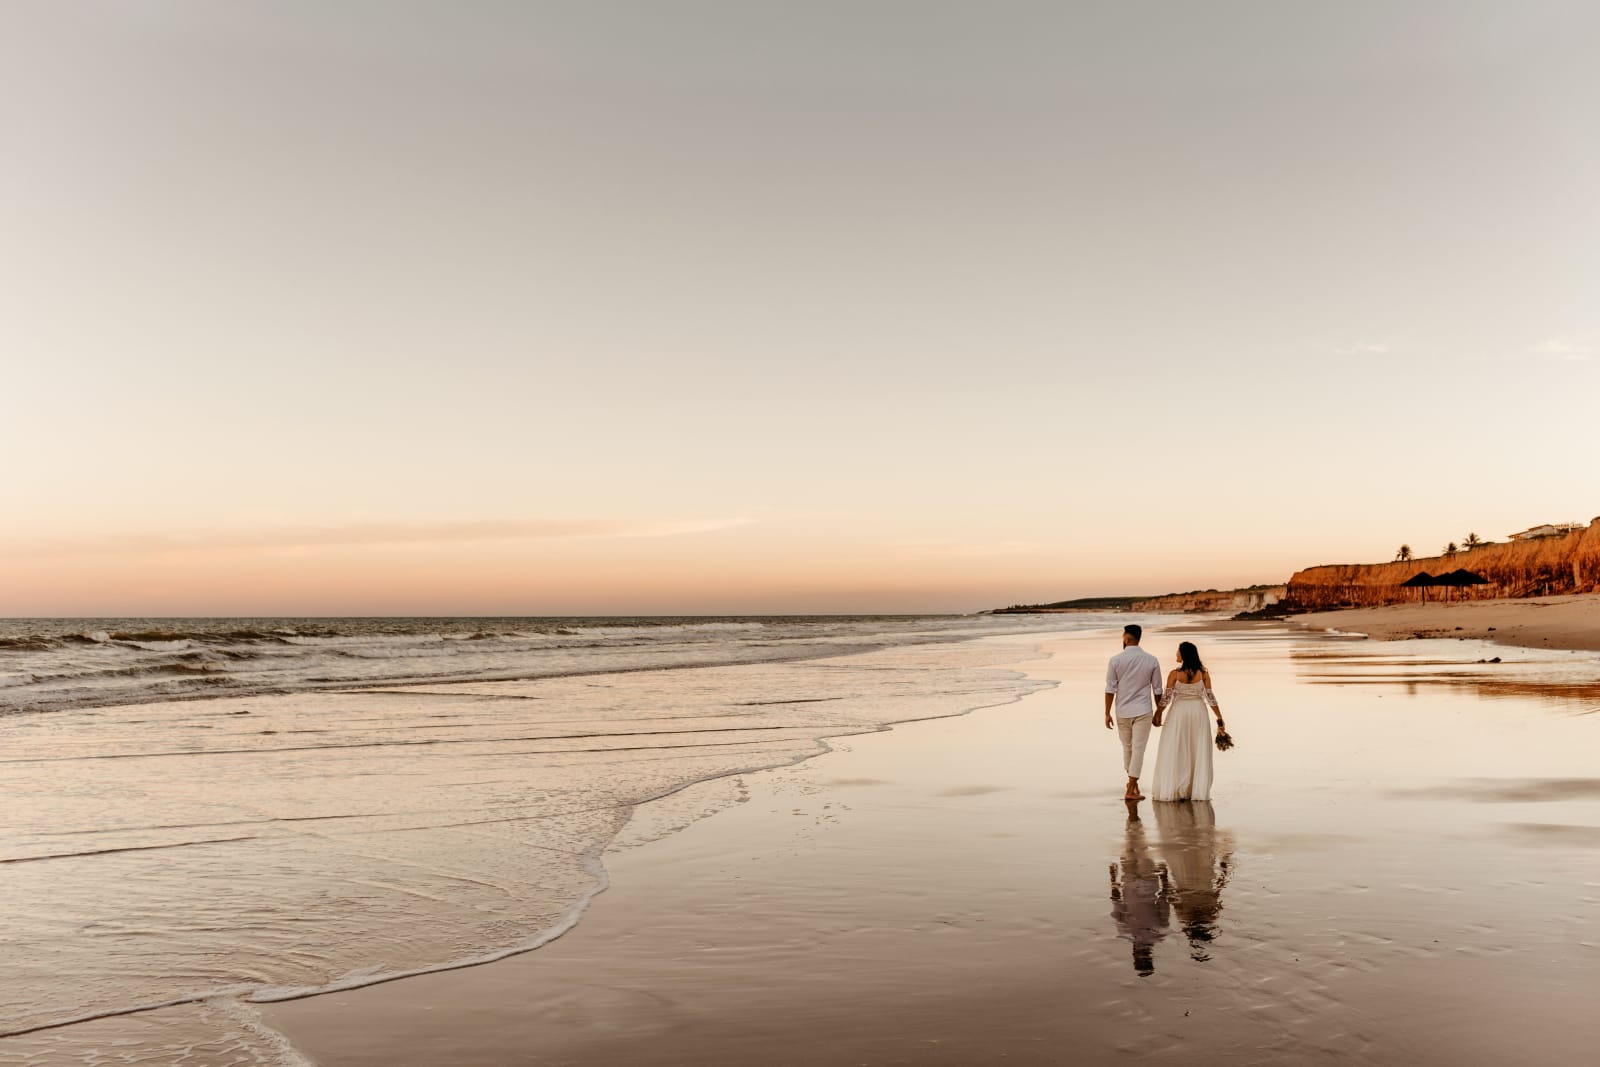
1253,598
1547,566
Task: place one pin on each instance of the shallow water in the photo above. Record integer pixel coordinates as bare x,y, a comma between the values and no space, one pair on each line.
267,846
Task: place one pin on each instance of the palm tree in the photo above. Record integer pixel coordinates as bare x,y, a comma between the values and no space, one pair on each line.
1404,554
1472,541
1450,549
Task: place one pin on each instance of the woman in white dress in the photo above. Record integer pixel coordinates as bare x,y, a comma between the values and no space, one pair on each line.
1183,762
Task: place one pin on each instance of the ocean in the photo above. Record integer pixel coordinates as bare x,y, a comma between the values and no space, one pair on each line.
205,813
52,664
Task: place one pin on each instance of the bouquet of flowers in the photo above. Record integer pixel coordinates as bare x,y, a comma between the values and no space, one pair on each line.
1224,742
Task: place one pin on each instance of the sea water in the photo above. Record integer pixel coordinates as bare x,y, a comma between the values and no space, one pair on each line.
209,813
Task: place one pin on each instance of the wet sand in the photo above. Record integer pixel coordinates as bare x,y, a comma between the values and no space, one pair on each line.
1390,870
1571,622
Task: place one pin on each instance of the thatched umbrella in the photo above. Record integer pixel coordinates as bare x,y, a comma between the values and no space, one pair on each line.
1421,580
1459,578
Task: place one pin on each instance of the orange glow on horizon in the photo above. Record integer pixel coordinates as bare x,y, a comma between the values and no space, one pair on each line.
694,575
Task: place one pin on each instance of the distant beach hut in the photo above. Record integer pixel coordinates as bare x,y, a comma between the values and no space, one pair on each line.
1458,579
1421,580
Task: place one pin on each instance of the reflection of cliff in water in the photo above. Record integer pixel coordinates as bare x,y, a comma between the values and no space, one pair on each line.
1564,681
1183,876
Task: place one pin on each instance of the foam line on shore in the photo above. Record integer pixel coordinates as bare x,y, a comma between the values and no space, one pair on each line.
590,861
568,920
593,864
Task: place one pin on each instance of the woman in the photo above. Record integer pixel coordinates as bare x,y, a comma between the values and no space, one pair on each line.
1183,762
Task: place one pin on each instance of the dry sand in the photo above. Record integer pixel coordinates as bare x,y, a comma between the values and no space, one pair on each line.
1398,865
1546,622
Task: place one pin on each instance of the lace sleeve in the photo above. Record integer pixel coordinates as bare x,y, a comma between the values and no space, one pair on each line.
1211,698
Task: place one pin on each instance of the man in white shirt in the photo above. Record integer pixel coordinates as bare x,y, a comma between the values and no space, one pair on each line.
1133,683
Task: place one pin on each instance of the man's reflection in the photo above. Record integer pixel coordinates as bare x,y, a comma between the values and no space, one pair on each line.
1138,894
1199,859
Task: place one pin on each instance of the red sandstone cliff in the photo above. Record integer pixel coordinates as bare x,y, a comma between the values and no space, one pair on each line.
1546,567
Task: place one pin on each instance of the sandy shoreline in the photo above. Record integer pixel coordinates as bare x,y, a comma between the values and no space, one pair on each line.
940,894
1571,622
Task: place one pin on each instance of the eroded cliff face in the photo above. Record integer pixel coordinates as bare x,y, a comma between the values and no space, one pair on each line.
1550,566
1253,599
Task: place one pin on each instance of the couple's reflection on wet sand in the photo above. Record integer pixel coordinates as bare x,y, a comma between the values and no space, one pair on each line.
1181,876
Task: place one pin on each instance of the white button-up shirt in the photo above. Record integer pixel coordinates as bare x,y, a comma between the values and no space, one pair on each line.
1134,675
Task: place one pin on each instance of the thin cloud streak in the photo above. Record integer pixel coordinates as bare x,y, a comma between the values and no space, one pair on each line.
972,550
1364,348
1569,349
370,535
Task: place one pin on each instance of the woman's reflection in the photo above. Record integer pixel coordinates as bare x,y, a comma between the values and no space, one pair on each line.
1199,859
1184,876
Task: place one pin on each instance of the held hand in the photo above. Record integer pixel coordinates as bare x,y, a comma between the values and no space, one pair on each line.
1156,720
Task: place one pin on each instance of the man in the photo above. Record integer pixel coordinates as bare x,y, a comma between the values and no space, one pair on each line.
1133,682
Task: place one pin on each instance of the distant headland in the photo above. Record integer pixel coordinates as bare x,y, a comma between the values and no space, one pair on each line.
1253,598
1088,603
1557,559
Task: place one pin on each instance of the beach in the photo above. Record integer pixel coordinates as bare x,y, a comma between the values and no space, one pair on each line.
590,535
943,894
1569,622
1399,861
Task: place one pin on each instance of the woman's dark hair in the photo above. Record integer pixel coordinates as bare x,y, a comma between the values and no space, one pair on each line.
1190,657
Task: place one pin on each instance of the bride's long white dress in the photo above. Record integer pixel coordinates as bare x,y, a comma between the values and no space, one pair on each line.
1183,761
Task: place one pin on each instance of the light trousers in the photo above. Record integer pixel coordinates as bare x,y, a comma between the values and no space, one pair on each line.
1135,734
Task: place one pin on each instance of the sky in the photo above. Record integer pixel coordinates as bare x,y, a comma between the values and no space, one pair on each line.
670,307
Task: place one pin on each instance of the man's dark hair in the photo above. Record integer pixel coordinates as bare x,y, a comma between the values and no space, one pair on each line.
1135,631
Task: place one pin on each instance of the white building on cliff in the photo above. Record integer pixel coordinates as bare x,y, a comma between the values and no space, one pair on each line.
1534,533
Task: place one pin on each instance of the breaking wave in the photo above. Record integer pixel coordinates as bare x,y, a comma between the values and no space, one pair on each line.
57,664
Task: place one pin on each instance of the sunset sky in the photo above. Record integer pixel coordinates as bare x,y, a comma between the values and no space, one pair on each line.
462,307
